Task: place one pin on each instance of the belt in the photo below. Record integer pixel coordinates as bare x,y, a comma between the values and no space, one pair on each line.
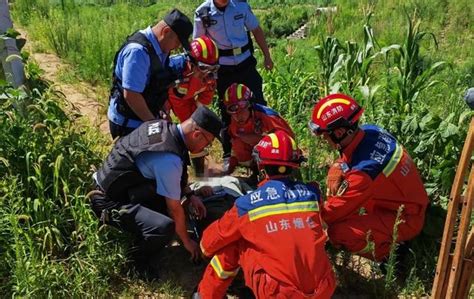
234,51
243,66
118,119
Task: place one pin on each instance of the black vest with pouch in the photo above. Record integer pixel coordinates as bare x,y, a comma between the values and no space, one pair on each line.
119,174
156,91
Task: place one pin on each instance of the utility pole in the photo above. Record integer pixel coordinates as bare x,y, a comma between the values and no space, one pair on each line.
11,67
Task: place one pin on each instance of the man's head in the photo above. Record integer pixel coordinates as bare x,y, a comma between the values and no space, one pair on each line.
237,99
201,129
221,3
277,155
174,30
204,57
336,118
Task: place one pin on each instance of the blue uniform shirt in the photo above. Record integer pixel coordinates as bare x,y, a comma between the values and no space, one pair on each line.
133,69
227,28
165,168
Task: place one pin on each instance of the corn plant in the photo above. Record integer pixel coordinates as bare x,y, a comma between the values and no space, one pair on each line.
411,73
347,65
330,60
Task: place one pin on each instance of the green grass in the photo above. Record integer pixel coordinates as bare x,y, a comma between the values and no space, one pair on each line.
408,81
50,246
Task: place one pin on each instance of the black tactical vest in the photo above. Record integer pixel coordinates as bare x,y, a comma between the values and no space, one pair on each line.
119,174
156,91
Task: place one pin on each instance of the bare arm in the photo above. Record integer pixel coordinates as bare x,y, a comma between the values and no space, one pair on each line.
177,213
137,103
262,43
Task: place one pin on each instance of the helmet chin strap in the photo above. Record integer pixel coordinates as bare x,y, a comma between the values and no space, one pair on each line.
262,174
338,140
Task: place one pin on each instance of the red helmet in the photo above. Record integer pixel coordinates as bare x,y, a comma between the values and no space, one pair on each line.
277,149
203,49
335,111
237,92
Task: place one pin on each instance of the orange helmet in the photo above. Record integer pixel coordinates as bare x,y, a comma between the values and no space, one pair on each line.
237,96
203,49
335,111
277,149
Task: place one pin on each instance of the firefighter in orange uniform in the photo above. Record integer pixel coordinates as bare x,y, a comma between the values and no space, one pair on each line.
249,123
367,185
198,71
274,233
198,77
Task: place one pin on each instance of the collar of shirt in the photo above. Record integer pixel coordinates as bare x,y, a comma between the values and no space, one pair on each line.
347,152
156,45
180,131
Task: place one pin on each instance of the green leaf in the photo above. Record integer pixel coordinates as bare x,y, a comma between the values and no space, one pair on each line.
36,204
425,121
449,131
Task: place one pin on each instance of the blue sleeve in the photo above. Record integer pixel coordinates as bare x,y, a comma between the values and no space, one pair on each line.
166,169
199,29
251,21
135,67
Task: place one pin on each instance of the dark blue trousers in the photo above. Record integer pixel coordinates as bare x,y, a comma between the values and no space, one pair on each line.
151,227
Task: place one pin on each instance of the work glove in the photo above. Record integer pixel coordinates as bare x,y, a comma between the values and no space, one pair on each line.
334,178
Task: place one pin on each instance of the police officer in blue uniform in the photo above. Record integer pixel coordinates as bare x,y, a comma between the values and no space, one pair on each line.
140,184
142,75
228,23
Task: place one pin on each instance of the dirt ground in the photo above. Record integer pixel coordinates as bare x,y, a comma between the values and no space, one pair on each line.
82,96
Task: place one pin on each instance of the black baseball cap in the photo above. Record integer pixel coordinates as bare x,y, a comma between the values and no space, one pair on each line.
208,120
181,25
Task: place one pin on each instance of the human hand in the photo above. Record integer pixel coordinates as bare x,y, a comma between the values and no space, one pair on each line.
334,179
268,63
205,191
198,207
211,83
193,248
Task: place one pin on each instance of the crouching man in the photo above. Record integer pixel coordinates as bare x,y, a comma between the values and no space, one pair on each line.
373,178
143,179
274,233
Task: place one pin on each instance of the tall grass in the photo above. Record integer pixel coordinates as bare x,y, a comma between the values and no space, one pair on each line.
49,242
